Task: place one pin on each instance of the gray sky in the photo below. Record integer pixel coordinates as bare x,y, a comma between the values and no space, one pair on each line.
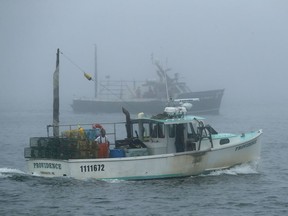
239,45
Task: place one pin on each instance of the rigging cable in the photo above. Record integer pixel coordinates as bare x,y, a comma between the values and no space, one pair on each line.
86,75
89,77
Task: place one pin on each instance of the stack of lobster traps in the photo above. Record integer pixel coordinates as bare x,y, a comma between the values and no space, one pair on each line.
72,144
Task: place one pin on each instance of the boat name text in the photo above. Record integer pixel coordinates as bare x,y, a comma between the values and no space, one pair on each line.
47,165
245,145
92,168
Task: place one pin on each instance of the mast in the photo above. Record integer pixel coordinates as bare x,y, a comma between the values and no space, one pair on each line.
162,73
56,98
96,74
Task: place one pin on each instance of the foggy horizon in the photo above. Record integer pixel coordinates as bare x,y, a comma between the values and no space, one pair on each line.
240,46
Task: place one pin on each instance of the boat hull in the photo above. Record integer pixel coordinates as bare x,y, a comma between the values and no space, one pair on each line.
209,103
143,167
149,167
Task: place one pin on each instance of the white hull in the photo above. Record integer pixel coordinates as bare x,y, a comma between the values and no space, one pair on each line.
150,167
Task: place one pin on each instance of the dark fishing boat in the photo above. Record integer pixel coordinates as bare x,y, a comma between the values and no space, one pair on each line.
209,103
149,96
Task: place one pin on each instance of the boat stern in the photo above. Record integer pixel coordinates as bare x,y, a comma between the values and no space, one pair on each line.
48,168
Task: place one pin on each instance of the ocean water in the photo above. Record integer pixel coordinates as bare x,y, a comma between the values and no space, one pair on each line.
259,188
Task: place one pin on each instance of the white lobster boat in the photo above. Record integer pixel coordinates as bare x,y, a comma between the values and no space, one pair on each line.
168,145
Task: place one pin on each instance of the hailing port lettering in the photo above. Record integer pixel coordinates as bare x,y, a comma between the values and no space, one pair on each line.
92,168
48,165
245,145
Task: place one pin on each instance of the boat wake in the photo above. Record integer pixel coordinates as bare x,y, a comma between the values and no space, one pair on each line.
248,168
8,172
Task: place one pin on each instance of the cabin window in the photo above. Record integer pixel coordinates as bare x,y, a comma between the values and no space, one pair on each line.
134,130
153,131
190,131
145,130
161,131
171,129
157,130
224,141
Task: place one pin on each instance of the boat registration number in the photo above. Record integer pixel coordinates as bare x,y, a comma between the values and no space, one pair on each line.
92,168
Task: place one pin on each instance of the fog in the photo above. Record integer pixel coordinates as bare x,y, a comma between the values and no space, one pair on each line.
237,45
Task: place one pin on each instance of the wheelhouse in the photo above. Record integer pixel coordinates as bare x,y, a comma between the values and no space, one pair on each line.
171,135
